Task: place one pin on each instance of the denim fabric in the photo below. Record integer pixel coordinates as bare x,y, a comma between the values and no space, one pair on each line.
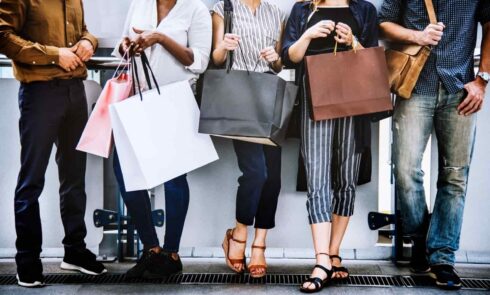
139,208
414,121
260,184
51,113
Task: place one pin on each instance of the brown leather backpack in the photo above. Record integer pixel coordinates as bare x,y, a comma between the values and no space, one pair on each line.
405,62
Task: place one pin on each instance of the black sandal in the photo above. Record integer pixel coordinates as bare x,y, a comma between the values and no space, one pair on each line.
319,283
337,269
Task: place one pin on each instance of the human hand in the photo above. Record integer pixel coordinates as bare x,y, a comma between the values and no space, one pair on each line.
473,103
431,35
320,30
125,45
269,54
68,60
84,50
230,42
344,34
144,39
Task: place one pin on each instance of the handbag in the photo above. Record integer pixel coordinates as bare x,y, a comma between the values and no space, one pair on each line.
97,138
349,83
156,133
245,105
405,62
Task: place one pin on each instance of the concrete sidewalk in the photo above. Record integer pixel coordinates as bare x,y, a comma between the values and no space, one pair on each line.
282,266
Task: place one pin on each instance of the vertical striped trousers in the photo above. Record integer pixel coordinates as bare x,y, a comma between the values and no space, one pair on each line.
332,165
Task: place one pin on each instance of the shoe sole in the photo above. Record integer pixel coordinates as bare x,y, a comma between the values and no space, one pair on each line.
36,284
445,286
68,266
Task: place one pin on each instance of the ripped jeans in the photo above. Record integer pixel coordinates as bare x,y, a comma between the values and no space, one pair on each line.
414,121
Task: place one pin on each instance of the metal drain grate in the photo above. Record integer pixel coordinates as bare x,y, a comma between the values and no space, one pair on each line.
270,279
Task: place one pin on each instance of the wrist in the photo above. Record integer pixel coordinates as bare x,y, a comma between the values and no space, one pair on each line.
415,37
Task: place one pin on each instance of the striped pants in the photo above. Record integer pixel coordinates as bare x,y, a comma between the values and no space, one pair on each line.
332,166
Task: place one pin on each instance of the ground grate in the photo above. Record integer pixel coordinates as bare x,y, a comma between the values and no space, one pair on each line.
270,279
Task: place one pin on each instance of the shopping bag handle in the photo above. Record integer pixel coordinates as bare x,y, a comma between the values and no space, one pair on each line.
123,63
147,70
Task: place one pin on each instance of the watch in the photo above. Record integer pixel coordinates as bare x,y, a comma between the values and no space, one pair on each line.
484,75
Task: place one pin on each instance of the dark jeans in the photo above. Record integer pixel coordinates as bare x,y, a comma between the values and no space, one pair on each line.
260,184
50,113
139,207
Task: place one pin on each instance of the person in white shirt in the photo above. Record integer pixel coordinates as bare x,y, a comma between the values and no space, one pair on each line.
176,37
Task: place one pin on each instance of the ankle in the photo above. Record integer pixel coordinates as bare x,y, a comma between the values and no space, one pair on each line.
156,250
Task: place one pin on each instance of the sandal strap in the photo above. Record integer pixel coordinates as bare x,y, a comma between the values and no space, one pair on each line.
256,266
318,282
336,256
236,240
321,253
329,272
340,269
259,247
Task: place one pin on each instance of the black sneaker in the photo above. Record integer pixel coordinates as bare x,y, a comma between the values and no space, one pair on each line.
30,275
419,262
172,266
148,260
446,277
84,262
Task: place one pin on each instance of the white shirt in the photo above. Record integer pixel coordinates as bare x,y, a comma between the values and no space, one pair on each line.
188,23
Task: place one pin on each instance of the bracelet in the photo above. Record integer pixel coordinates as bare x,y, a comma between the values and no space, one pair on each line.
355,42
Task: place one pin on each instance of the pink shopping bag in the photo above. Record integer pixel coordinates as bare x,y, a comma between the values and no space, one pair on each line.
97,137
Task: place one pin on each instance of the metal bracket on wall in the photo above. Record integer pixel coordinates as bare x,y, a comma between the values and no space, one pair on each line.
125,228
378,220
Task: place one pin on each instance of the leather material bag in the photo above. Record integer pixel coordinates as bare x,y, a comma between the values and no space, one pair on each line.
405,62
245,105
349,83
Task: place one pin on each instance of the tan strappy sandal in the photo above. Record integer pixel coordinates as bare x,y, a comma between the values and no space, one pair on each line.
254,267
226,247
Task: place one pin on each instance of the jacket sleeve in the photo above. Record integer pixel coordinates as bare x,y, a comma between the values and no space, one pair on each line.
484,12
292,33
372,27
12,19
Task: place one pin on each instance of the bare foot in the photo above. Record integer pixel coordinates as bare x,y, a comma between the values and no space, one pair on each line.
237,250
258,258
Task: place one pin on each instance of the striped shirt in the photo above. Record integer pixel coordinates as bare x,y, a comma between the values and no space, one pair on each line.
257,31
451,62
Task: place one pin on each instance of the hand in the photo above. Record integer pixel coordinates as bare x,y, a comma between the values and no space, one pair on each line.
344,34
431,35
269,54
68,60
145,39
320,30
84,50
125,45
474,101
230,42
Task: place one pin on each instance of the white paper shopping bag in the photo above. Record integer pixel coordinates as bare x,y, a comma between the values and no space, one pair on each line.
157,138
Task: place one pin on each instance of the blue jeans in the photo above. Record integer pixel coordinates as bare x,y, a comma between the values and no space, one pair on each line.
139,208
414,121
260,184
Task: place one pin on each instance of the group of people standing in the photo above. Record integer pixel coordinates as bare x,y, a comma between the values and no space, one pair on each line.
49,45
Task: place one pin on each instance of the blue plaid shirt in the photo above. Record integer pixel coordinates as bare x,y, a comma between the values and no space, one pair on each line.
451,62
